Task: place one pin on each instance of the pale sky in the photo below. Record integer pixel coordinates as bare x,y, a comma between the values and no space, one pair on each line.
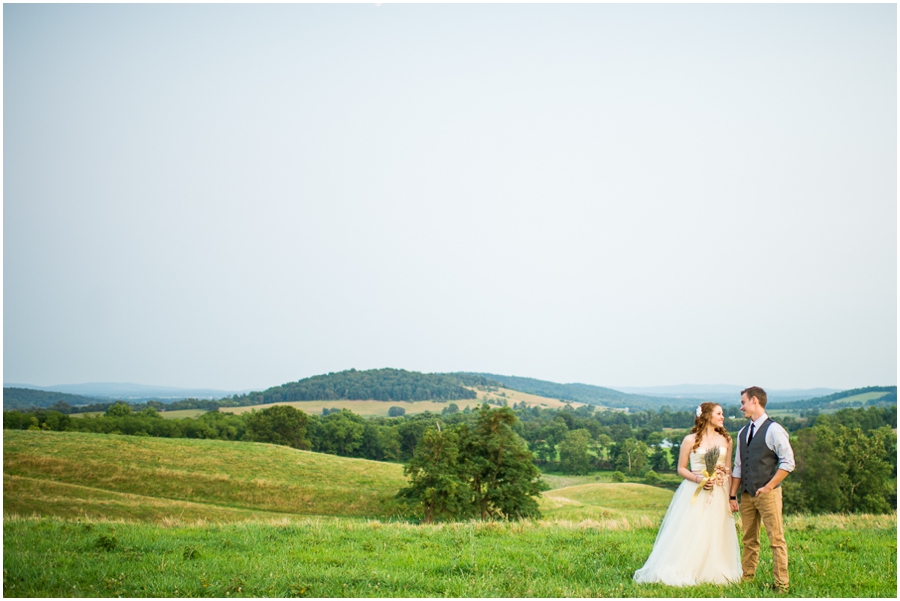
238,196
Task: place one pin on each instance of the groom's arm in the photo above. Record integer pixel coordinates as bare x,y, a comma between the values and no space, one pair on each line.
735,477
778,440
775,481
735,485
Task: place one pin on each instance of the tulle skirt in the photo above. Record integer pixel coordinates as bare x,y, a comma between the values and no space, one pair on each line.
696,543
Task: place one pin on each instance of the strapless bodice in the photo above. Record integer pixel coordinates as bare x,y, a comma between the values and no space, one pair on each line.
698,463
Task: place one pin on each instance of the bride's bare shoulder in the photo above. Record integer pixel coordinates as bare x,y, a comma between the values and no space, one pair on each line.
689,439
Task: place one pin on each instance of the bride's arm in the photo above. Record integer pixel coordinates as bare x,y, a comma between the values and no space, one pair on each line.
728,479
683,457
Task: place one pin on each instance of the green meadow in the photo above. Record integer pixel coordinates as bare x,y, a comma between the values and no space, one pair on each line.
105,515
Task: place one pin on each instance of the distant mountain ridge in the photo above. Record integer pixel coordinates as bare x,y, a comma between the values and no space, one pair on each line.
390,384
128,390
725,392
27,398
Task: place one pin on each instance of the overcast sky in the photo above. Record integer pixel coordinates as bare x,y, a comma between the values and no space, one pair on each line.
241,196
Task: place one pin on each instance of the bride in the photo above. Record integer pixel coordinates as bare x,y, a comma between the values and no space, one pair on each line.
697,542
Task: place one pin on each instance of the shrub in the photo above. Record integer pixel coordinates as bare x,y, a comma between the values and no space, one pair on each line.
618,477
651,477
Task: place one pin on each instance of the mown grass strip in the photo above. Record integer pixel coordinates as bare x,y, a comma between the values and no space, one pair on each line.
326,557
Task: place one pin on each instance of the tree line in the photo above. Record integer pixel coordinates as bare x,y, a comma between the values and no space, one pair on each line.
846,461
376,384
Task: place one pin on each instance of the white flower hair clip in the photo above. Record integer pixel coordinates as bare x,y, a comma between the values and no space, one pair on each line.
699,411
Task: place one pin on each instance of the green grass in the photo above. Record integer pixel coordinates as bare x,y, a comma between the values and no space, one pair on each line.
557,480
73,474
613,505
332,557
106,515
860,398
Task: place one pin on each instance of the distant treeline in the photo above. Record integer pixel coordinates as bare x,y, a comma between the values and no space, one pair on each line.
542,428
376,384
832,400
26,398
401,385
846,461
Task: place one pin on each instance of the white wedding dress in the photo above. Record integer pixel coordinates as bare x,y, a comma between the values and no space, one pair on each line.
697,543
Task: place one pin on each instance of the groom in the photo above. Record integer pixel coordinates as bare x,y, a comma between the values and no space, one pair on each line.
763,459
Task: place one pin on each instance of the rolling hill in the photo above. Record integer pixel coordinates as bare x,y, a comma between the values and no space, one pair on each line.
97,476
71,474
584,393
374,384
857,397
26,398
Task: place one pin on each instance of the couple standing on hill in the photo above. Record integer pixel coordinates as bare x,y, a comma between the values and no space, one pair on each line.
697,542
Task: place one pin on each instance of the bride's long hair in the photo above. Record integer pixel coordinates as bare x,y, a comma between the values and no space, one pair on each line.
701,421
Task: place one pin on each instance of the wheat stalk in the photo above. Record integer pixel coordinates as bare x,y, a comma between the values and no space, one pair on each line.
711,458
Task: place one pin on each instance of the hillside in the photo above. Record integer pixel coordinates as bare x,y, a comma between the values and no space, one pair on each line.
129,391
857,397
374,384
26,398
72,474
584,393
635,504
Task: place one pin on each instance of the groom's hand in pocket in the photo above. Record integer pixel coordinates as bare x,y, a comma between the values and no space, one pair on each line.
764,490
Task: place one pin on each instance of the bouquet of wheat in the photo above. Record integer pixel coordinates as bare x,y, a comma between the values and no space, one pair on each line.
714,473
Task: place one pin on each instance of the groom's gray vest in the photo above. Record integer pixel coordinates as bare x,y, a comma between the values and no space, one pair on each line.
758,462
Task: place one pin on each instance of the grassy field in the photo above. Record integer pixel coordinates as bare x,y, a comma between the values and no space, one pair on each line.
380,408
610,505
332,557
76,474
105,515
532,400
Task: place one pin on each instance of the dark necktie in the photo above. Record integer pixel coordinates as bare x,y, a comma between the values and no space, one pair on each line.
750,436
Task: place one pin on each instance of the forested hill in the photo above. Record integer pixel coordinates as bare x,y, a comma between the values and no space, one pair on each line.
583,393
857,397
25,398
374,384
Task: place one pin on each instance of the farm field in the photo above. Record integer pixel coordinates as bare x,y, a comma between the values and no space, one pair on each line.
373,408
108,515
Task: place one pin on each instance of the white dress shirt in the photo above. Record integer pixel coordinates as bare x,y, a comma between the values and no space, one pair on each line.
777,439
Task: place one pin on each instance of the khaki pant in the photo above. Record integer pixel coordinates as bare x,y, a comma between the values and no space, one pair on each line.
766,508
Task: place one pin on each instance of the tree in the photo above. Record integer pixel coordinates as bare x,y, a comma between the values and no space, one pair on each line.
396,411
485,470
547,439
118,409
659,460
150,412
573,452
499,467
279,424
437,485
631,456
341,433
841,469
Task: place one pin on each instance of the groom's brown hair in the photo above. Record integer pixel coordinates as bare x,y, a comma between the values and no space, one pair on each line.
756,391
